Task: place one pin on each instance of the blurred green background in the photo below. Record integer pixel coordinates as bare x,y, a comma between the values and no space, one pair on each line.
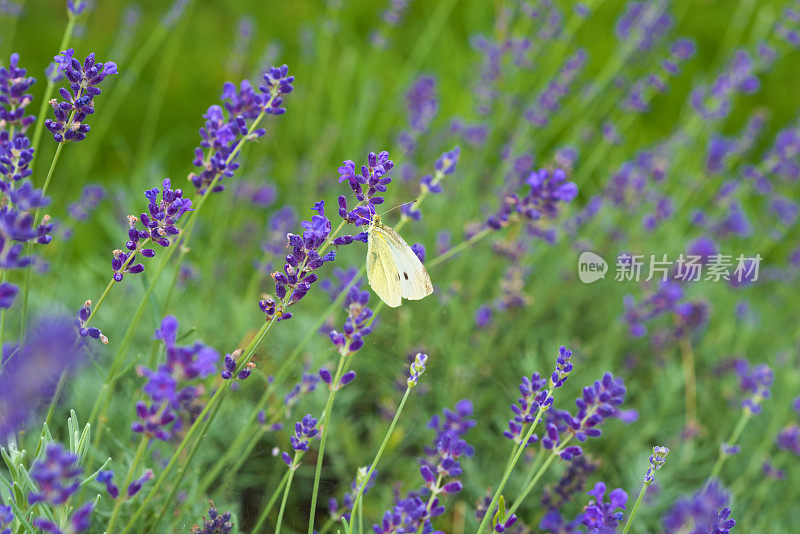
349,100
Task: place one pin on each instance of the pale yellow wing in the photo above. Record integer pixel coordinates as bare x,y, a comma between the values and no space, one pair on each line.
382,273
414,279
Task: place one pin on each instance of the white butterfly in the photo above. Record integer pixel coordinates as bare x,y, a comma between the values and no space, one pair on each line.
393,270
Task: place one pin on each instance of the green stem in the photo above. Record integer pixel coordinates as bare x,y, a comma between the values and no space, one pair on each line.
375,461
326,417
746,415
510,466
29,246
48,92
635,508
217,397
286,493
128,479
271,503
430,502
532,483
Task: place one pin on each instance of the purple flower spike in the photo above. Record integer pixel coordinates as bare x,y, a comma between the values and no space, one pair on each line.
78,101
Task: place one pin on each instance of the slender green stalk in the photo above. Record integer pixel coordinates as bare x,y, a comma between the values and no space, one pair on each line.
326,416
377,458
286,492
217,397
430,502
737,431
48,92
26,289
510,467
690,385
137,457
532,483
271,503
629,522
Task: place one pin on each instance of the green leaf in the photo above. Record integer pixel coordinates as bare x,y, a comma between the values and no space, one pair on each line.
93,476
20,516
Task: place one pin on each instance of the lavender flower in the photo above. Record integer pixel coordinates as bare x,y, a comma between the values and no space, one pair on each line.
6,518
56,476
644,24
597,403
225,130
8,292
79,522
570,483
30,373
308,383
546,191
349,498
422,106
158,226
168,400
304,431
374,176
230,367
90,198
755,383
440,471
600,516
446,164
738,77
789,439
549,101
81,322
78,104
216,523
298,274
705,511
417,369
76,7
357,325
657,461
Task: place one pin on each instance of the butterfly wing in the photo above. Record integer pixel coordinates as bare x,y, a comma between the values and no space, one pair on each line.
414,279
382,273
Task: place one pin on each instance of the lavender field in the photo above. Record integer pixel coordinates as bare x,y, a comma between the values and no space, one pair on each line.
456,266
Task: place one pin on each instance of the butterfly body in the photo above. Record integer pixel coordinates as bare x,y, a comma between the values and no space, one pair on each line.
393,270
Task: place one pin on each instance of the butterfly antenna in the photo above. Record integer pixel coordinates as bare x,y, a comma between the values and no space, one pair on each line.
398,206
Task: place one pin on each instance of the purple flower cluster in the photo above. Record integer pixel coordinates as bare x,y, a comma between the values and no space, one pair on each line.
644,23
57,478
367,186
545,191
440,471
107,479
416,369
216,523
789,439
298,274
739,76
304,431
657,461
705,511
90,198
664,300
356,326
168,400
599,516
643,89
444,165
81,322
226,129
6,518
16,223
230,367
597,403
570,483
158,225
15,151
549,100
349,498
755,383
30,373
78,104
422,106
308,383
